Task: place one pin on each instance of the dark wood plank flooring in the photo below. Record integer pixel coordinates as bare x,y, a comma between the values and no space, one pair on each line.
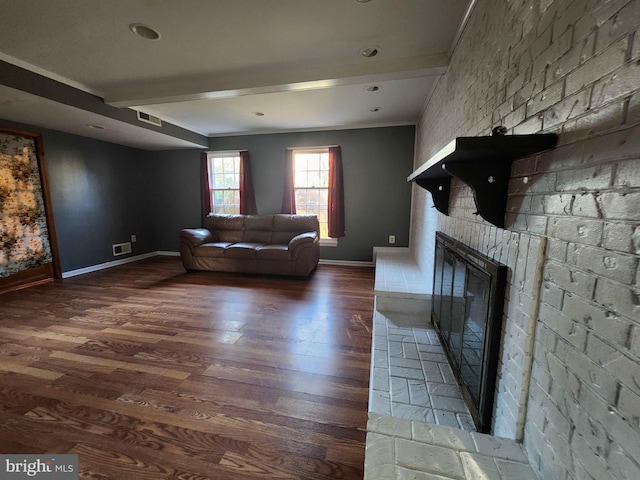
147,372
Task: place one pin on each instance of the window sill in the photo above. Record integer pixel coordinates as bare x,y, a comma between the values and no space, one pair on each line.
328,242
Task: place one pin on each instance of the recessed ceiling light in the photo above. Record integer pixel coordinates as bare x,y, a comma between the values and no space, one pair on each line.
97,127
258,114
372,88
364,1
143,31
369,51
375,109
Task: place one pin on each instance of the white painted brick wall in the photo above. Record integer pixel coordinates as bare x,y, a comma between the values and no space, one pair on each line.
570,67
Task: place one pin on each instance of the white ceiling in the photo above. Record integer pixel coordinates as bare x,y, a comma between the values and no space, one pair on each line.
219,61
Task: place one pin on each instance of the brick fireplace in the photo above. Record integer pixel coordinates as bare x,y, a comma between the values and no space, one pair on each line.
569,366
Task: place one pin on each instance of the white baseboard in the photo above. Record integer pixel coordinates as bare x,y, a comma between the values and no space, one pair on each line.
102,266
345,263
168,253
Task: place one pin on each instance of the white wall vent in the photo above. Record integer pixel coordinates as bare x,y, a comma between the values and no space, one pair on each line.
153,120
121,248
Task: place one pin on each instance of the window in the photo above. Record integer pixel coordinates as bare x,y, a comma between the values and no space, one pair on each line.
224,181
311,184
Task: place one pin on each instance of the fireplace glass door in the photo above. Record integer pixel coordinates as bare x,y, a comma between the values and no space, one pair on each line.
467,312
472,348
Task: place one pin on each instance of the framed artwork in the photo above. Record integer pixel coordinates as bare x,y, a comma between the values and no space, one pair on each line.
28,247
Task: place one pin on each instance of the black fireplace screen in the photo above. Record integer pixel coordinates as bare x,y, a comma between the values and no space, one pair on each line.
468,295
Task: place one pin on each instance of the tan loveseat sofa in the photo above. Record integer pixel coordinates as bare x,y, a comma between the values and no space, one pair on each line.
271,244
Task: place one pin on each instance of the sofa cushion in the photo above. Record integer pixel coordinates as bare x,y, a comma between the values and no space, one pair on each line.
295,223
273,252
257,228
211,250
258,222
285,227
227,227
256,236
241,250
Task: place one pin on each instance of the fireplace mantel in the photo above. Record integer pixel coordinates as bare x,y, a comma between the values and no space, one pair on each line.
484,164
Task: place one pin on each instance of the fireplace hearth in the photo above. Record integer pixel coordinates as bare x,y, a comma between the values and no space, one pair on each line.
468,298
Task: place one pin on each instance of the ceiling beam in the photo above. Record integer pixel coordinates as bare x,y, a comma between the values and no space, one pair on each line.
184,89
27,81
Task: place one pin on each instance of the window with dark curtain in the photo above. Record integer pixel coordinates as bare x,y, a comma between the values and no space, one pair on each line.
205,192
336,194
289,196
314,185
247,195
226,183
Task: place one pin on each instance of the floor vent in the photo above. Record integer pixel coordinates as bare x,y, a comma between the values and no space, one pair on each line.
121,248
153,120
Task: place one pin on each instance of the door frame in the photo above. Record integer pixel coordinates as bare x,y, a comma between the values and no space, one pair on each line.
48,271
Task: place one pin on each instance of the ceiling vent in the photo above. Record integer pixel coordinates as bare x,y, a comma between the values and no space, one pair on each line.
146,118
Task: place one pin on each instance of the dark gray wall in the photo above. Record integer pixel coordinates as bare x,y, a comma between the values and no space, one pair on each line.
103,193
376,162
175,175
100,194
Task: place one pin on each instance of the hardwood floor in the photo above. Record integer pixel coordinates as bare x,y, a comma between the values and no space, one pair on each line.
147,372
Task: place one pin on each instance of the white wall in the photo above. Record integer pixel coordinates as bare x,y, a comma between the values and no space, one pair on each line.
573,221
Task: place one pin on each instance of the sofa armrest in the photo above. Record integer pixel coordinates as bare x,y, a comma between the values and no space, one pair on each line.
302,240
194,237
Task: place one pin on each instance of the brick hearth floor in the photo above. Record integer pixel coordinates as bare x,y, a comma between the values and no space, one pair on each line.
412,378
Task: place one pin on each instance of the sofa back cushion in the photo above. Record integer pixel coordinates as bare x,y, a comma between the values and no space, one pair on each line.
228,228
285,227
258,229
276,229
